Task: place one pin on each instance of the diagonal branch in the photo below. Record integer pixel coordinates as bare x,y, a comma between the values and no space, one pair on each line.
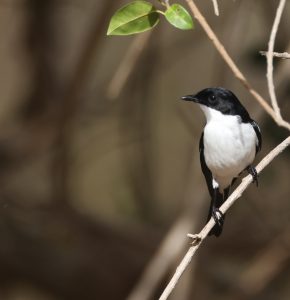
229,61
237,193
269,56
215,7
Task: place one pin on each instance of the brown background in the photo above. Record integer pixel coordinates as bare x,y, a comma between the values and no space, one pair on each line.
92,180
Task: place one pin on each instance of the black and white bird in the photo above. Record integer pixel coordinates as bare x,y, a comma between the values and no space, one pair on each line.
228,145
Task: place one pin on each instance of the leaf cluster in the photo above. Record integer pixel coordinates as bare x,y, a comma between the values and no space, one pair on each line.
139,16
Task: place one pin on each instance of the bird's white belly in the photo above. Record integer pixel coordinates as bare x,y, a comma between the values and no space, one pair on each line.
229,148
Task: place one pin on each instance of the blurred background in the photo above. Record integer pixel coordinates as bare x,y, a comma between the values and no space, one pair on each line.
99,167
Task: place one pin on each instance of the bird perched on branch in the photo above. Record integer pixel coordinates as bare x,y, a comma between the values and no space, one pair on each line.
228,145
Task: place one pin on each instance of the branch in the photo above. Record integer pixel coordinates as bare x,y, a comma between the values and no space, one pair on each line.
284,55
199,238
229,61
269,56
215,7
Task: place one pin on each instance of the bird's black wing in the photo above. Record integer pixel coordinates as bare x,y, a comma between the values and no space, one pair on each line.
205,170
217,198
258,134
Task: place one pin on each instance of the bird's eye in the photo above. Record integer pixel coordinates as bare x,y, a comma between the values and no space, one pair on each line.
212,98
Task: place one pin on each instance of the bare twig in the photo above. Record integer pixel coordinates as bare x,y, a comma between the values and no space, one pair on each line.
220,48
229,61
215,7
283,55
270,58
199,238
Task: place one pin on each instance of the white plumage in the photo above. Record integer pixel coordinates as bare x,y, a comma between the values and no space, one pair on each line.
229,145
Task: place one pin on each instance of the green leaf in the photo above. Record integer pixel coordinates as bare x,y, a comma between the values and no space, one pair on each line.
135,17
179,17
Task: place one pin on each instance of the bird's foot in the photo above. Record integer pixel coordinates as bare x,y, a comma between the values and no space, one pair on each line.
252,170
218,217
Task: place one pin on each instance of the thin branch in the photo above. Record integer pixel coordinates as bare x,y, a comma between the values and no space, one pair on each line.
229,61
199,238
269,56
220,48
283,55
215,7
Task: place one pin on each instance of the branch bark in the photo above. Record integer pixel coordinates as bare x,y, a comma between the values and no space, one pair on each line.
283,55
215,7
229,61
269,56
199,238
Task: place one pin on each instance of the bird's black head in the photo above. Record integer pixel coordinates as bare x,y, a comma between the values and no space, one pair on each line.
221,100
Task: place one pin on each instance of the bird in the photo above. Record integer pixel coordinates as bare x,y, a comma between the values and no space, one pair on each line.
228,145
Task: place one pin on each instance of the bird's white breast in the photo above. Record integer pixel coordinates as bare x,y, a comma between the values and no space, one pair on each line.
229,146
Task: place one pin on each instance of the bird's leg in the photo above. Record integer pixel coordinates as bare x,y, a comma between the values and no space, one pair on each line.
252,170
217,215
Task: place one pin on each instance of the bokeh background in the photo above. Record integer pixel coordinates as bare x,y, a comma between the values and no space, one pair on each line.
99,168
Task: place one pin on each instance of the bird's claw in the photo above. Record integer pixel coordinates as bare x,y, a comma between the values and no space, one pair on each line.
252,170
218,217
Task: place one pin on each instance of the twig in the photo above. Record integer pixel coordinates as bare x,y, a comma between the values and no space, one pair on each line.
220,48
199,238
237,73
215,7
269,56
282,73
283,55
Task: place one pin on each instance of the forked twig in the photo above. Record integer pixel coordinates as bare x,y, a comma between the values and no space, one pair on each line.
229,61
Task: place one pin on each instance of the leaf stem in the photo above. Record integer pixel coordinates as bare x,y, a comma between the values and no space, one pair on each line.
160,12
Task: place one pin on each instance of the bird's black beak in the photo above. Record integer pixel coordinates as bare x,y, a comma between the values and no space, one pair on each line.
190,98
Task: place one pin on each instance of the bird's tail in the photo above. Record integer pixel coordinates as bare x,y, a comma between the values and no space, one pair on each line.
220,198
